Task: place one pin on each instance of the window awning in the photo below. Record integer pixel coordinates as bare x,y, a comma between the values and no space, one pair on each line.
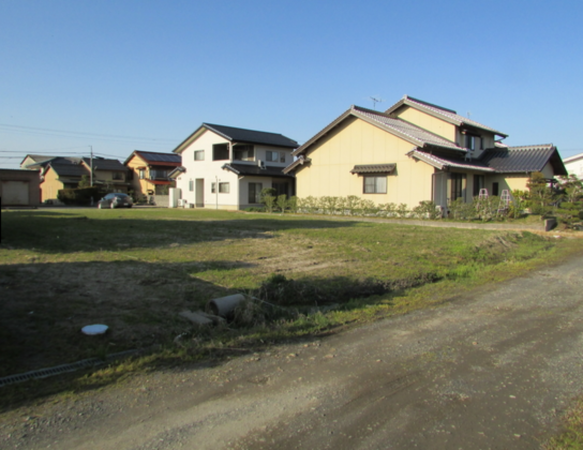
373,168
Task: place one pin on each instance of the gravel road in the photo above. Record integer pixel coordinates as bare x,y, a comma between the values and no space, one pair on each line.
490,370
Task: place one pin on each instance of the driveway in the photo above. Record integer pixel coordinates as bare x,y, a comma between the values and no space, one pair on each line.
490,370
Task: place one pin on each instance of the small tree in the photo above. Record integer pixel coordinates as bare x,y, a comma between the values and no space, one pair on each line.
268,198
540,193
571,188
292,204
85,182
281,202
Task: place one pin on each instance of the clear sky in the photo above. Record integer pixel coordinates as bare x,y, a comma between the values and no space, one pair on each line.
144,74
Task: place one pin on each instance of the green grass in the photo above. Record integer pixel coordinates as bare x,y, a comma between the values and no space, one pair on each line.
571,435
135,270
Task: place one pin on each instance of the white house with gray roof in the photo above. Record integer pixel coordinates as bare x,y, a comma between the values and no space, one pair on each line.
225,167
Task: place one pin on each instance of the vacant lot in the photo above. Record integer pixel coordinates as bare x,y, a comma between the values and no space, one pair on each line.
135,270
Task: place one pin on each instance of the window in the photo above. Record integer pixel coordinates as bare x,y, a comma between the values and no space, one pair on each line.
224,188
220,152
142,173
255,192
243,152
375,185
473,142
117,176
478,184
157,174
272,156
457,185
199,155
282,157
191,185
495,189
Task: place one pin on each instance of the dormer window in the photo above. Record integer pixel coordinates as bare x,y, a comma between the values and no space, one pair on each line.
473,142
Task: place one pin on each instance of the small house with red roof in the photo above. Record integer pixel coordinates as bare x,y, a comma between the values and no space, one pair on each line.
149,172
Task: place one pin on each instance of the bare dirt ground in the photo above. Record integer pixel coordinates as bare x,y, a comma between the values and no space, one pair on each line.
490,370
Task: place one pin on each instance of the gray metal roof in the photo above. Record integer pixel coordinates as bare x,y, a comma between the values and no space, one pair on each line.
252,136
445,163
523,159
448,115
155,157
374,168
69,170
405,130
254,170
105,164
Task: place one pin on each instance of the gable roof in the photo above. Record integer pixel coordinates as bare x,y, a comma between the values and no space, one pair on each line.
523,159
239,135
156,158
36,159
448,115
405,130
68,170
105,164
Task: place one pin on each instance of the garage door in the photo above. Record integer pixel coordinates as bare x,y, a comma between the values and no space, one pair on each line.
15,192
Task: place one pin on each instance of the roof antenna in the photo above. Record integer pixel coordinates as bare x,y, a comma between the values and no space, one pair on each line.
376,100
469,114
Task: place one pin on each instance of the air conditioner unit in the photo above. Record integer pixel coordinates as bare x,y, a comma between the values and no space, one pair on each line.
260,164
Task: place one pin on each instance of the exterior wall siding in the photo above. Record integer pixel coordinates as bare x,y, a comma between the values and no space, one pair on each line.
211,171
357,142
50,187
429,123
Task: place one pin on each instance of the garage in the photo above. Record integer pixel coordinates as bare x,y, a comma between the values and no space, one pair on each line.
19,187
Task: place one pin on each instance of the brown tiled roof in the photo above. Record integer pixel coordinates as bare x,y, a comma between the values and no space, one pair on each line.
374,168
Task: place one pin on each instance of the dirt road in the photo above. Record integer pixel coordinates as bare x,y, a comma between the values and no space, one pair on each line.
492,370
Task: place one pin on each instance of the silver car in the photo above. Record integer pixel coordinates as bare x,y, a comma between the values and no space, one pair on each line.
115,200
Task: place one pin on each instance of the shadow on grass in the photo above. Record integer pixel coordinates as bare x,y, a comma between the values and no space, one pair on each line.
82,230
46,305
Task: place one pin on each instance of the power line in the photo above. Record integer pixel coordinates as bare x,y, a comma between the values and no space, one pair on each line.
60,133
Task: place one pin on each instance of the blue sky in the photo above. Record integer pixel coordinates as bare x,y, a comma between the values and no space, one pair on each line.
124,75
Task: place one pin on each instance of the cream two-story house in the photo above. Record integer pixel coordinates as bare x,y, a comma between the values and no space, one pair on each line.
227,168
415,151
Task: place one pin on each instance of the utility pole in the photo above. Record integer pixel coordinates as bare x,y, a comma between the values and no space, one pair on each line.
91,167
216,192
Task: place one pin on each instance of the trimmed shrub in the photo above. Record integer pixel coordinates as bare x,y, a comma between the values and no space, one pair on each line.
80,196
